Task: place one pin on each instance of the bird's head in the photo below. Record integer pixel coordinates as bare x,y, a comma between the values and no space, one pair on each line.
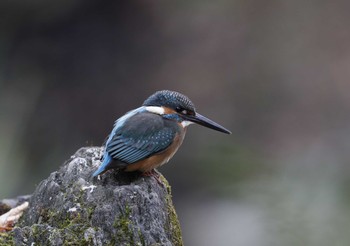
176,106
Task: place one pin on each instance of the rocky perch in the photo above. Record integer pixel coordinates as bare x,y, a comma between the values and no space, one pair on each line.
71,208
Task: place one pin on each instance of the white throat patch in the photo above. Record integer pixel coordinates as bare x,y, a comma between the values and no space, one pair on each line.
186,123
155,110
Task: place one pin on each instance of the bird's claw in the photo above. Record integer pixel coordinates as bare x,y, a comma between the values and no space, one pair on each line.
155,174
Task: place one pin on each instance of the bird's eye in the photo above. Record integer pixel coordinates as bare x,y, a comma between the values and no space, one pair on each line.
184,111
181,110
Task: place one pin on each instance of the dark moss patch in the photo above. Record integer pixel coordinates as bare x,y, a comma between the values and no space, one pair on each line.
123,226
173,227
6,239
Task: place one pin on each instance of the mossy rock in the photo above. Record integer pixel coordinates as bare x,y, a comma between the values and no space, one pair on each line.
71,208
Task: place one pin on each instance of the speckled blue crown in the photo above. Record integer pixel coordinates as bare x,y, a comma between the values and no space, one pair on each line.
171,99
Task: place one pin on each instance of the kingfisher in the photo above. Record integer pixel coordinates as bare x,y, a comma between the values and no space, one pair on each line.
149,136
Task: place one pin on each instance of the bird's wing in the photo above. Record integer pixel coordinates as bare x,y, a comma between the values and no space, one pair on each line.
140,136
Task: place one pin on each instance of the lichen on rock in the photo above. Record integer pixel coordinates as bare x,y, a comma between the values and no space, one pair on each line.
72,208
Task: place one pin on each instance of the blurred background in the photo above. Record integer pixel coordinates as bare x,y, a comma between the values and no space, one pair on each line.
273,72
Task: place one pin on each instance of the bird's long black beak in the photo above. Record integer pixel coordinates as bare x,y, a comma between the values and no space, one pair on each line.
204,121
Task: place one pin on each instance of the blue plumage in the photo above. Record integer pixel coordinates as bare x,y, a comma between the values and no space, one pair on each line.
149,136
106,159
129,143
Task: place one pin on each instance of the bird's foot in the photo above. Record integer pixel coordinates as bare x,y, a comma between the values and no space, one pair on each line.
155,174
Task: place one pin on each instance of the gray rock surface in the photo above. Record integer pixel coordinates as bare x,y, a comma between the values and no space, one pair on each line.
71,208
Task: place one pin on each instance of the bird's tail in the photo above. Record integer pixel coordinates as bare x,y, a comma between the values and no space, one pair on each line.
104,166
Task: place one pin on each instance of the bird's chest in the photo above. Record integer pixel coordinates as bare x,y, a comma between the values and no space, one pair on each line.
172,149
160,158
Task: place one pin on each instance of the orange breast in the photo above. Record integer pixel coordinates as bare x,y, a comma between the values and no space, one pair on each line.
160,158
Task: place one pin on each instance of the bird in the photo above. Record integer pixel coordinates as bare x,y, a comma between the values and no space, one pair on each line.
147,137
